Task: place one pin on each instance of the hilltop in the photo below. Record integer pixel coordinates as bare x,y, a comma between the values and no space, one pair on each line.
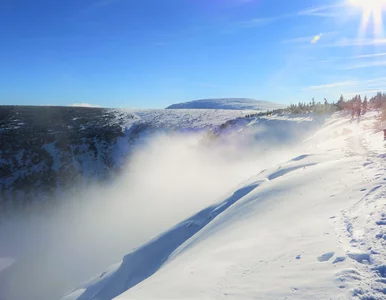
227,103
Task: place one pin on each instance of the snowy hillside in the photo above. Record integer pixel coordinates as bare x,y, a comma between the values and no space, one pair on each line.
310,227
228,103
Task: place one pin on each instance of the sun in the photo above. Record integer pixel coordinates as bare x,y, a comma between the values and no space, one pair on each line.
369,4
371,9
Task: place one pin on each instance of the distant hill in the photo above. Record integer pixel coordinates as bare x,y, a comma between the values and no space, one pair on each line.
227,103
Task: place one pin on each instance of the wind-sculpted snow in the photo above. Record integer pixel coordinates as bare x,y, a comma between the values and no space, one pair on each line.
145,261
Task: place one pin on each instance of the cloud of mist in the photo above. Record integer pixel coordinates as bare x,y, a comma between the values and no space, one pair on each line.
168,178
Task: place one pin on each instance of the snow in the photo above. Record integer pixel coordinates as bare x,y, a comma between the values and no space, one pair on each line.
228,103
184,119
107,159
50,148
310,227
5,262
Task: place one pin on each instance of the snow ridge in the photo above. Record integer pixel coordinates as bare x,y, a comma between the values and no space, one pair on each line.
145,261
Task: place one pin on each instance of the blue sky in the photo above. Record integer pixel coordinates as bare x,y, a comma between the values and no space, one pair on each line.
152,53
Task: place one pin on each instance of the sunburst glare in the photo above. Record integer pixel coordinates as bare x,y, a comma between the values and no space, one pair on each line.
371,9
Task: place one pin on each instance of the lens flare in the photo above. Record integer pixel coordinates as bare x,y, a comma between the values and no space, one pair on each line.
371,9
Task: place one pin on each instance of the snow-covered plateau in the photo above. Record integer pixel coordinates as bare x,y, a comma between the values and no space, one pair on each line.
228,103
278,207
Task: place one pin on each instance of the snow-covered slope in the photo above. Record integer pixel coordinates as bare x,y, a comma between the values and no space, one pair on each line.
311,227
187,119
228,103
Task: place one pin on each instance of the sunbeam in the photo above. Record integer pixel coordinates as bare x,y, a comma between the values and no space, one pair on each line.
371,9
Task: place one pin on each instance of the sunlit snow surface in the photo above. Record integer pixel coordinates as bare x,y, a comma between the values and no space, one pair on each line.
310,227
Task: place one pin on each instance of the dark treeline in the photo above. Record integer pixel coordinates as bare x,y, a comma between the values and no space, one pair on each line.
376,102
312,107
301,108
355,104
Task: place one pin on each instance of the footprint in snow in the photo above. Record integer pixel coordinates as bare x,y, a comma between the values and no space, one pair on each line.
362,258
380,270
382,219
339,259
326,256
